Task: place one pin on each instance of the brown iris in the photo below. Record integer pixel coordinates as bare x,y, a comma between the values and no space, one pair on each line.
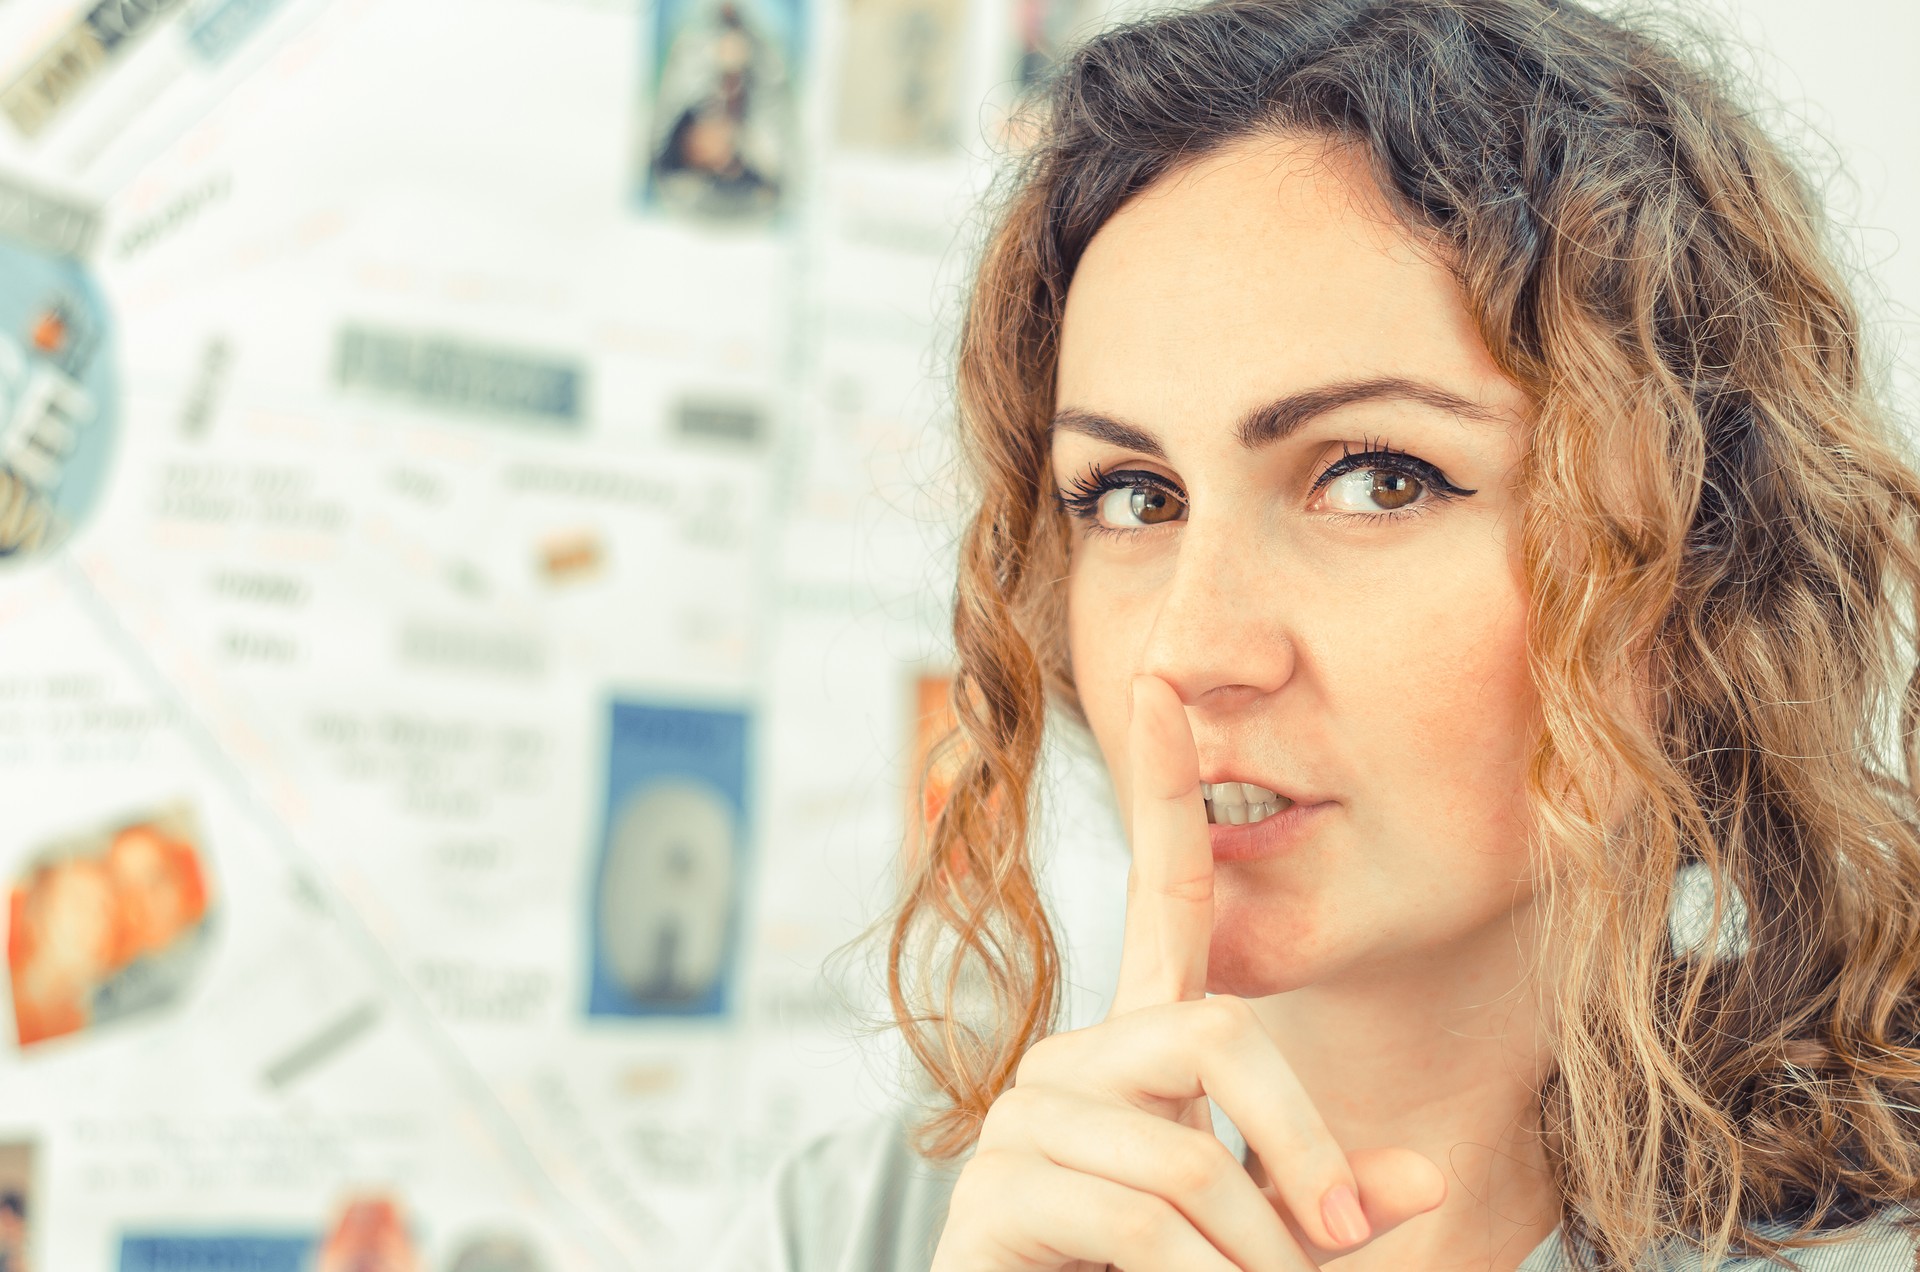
1151,507
1394,490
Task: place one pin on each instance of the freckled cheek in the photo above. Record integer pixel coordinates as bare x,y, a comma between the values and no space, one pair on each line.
1445,708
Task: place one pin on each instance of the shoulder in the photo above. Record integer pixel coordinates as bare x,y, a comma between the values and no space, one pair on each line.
1889,1241
855,1199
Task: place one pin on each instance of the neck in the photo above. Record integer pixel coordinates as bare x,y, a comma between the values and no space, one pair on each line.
1441,1054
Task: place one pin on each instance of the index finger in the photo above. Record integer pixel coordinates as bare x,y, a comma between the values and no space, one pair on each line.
1169,923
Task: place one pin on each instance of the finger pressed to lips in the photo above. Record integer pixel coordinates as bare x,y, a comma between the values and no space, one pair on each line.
1210,1047
1169,920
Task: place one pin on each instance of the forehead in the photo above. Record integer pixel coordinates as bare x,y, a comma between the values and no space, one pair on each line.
1272,265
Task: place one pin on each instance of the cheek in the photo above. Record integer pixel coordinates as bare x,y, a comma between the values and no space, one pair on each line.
1444,731
1429,669
1472,689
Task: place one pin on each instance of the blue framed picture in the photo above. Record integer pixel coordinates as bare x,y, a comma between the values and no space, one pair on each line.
666,883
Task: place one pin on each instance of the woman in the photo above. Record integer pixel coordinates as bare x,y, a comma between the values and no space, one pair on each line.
1427,446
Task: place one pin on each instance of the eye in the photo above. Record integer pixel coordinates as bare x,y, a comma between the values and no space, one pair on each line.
1381,482
1125,506
1373,490
1118,502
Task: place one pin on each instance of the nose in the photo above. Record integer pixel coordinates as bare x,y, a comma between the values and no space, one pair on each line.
1223,632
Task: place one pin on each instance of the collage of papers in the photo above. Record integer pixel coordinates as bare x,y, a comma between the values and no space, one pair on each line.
477,507
475,523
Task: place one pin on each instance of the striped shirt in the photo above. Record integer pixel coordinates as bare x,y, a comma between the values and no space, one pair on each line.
859,1199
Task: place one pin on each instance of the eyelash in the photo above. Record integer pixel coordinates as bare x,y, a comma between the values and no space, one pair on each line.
1082,498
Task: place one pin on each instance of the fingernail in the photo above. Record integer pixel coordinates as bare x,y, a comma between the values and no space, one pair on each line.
1345,1220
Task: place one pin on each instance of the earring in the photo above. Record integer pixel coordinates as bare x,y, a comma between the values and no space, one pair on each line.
1692,910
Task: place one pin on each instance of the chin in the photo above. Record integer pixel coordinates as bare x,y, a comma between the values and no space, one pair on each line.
1264,946
1268,941
1254,981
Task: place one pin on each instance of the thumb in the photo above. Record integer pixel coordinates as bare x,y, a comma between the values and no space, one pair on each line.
1396,1184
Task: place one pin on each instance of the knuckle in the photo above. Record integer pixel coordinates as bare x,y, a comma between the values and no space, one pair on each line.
985,1176
1021,1118
1197,1168
1226,1018
1193,889
994,1126
1038,1061
1145,1223
1015,1106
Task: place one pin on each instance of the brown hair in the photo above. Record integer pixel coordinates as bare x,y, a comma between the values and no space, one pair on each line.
1711,480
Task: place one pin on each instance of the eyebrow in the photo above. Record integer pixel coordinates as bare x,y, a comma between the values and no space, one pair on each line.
1279,419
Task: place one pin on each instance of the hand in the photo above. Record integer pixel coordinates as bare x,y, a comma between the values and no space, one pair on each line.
1103,1152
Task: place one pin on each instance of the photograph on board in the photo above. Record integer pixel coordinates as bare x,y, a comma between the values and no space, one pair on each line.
900,83
108,924
57,391
19,1208
669,869
720,124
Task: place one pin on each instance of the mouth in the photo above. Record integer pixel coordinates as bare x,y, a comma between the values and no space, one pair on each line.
1241,803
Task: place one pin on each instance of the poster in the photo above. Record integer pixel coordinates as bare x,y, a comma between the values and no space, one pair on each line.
670,861
19,1208
906,60
57,382
721,121
108,924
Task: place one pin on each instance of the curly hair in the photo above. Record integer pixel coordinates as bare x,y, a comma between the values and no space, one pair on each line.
1713,483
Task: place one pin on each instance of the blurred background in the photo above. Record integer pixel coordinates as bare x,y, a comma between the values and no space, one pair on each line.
476,522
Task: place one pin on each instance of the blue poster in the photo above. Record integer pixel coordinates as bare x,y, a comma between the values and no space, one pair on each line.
666,884
228,1252
57,393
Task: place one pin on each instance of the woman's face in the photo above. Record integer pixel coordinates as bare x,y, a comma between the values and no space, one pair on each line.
1271,407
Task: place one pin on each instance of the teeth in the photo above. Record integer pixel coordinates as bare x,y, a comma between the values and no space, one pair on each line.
1240,803
1237,793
